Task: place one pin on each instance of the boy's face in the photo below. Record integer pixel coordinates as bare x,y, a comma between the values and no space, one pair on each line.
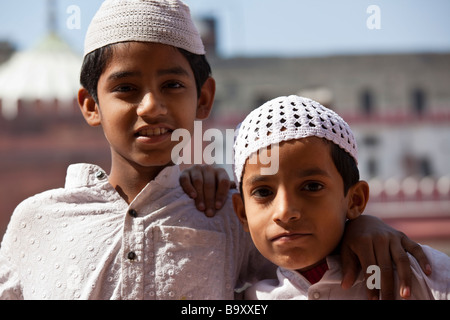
296,217
146,91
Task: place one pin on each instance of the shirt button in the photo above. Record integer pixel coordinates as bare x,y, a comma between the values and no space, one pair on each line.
100,175
131,255
132,213
316,295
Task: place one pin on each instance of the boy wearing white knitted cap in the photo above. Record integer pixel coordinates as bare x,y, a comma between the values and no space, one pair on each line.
296,215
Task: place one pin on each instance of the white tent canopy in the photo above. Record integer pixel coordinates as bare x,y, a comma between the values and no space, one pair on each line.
47,72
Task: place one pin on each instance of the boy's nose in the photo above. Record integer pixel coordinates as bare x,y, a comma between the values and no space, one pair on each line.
286,210
151,106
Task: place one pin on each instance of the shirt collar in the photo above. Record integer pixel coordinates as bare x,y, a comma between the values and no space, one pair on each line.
86,175
168,177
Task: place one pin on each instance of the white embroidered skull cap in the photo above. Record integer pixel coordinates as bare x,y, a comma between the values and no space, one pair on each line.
289,118
160,21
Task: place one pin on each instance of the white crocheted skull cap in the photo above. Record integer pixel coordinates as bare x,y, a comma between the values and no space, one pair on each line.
160,21
288,118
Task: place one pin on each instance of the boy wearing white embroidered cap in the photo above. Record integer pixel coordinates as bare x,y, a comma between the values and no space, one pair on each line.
144,72
132,233
296,216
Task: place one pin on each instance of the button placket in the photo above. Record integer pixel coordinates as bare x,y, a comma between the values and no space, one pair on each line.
133,213
133,260
131,255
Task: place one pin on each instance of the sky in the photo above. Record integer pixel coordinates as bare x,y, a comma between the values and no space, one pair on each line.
266,27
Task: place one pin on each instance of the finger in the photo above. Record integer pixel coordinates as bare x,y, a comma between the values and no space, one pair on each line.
404,272
197,181
209,190
350,267
417,252
367,258
223,188
186,184
353,261
384,262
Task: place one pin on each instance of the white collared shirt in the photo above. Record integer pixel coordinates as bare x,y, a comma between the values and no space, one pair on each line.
291,285
84,241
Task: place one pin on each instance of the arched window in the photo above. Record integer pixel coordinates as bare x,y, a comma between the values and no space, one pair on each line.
425,167
372,167
418,101
367,102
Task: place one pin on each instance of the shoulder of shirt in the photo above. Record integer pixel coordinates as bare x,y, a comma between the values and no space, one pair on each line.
26,214
67,194
438,283
39,200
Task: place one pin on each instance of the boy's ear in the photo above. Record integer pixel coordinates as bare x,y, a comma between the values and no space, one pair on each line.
239,209
358,198
89,108
206,99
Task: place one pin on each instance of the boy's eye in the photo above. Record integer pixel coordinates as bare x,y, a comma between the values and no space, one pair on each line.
261,193
124,88
173,85
313,187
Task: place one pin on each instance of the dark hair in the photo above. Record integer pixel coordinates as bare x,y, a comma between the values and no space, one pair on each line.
200,67
95,62
345,165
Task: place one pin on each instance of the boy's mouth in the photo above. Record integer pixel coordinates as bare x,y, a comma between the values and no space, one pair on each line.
288,236
151,132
